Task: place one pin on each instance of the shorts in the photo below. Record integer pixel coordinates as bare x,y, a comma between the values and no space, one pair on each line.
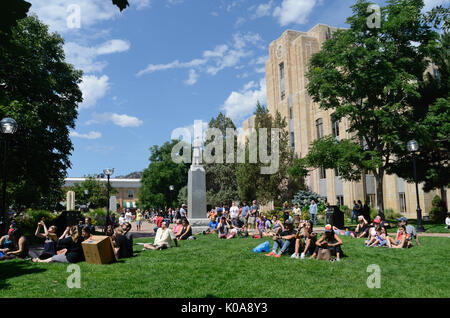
61,258
251,220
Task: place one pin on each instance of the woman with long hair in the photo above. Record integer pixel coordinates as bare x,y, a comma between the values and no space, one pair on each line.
186,230
20,246
72,244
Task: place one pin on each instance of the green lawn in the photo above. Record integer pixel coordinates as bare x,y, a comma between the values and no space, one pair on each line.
209,267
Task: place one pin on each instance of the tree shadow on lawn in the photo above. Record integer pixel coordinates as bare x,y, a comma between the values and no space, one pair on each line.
14,268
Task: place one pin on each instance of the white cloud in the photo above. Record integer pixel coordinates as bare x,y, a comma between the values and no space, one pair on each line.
221,57
117,119
294,11
240,21
90,135
193,77
84,57
56,12
93,89
263,10
240,105
140,4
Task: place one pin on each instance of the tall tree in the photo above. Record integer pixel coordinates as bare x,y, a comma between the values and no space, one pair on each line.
370,74
40,91
221,185
160,174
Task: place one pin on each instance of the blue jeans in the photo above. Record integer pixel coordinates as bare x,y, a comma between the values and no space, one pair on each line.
354,216
281,243
313,218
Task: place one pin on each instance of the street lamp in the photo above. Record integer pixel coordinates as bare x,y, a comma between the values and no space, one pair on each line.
86,192
171,188
413,147
8,127
108,172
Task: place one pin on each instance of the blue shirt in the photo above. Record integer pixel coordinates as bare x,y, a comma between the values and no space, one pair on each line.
313,208
245,210
213,225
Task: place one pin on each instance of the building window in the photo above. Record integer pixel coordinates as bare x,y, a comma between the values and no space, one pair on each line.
130,194
402,200
322,173
283,93
319,128
340,200
335,127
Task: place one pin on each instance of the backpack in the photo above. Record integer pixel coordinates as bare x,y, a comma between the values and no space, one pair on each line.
324,254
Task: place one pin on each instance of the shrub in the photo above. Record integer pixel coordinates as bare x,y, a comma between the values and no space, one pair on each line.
98,217
28,222
438,211
391,214
303,198
347,212
373,213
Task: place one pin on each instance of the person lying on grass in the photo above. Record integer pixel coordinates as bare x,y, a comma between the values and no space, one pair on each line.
50,239
401,240
285,241
305,240
20,247
163,239
72,246
330,241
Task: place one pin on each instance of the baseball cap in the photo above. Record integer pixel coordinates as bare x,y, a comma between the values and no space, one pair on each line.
10,231
376,221
402,219
328,228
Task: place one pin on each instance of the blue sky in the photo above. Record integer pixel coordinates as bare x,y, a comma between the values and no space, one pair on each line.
161,64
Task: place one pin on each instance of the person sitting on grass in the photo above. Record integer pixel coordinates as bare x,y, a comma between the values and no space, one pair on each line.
285,241
7,242
20,246
362,229
223,228
163,239
212,227
277,227
401,240
72,246
371,238
261,224
330,241
307,247
50,240
447,221
410,230
380,237
121,247
178,227
88,223
186,230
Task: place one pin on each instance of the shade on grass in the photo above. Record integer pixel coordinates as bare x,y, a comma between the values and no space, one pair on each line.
209,267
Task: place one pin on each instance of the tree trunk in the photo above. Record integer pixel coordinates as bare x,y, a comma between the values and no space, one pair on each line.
444,197
379,185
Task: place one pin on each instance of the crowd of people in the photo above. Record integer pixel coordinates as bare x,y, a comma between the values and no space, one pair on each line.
292,234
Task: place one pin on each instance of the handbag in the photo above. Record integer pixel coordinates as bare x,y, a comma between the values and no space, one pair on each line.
324,254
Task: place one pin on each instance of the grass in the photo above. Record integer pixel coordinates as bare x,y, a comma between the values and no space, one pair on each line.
209,267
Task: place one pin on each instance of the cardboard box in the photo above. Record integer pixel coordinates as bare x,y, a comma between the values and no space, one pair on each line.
98,250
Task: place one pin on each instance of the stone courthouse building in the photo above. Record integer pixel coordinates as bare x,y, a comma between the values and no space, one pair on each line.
286,92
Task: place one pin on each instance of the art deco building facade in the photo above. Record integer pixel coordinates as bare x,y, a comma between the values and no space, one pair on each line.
286,92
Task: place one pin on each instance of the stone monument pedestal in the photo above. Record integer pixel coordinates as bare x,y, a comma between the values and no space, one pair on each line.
197,199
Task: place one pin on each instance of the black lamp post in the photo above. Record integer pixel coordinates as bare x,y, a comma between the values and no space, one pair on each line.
108,172
8,127
413,147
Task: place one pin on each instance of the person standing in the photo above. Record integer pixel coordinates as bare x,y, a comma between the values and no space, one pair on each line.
297,215
354,212
253,214
234,211
285,212
138,220
244,215
313,212
183,213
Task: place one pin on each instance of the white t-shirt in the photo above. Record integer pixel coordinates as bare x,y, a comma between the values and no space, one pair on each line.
183,212
234,211
164,237
296,211
121,220
128,216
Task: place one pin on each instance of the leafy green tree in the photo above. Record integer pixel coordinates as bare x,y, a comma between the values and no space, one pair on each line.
279,186
40,91
160,174
97,192
221,184
369,76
